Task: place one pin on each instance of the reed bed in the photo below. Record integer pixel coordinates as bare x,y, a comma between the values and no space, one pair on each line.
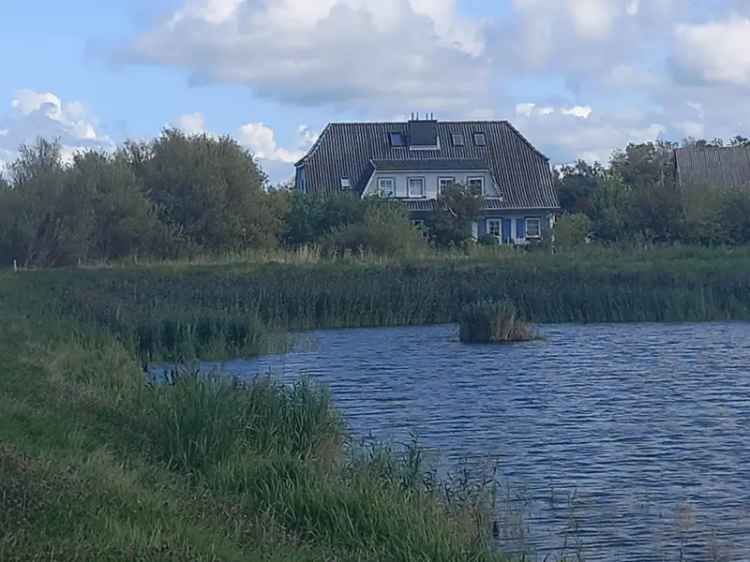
178,312
490,322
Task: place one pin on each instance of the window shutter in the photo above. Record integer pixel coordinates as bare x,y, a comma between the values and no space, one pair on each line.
506,231
521,229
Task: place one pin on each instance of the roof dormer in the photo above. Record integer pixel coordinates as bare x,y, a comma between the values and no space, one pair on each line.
423,134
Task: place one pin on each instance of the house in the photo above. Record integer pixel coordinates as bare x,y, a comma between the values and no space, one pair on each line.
716,166
412,161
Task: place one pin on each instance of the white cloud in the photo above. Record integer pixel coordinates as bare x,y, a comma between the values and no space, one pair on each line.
578,132
191,124
593,19
634,6
261,140
532,109
44,114
580,111
392,53
717,51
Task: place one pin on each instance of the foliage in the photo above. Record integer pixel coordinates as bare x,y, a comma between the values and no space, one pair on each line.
493,322
385,230
638,199
174,195
457,207
734,216
210,190
311,218
577,184
572,230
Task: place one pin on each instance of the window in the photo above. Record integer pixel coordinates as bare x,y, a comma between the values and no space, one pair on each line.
480,139
533,227
458,139
416,187
495,228
397,139
443,183
387,187
346,183
475,185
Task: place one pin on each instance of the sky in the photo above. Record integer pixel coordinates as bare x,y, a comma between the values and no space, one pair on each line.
579,78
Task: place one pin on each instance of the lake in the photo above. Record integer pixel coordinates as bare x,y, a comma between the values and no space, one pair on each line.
615,442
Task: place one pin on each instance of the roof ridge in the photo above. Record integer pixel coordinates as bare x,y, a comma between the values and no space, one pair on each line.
451,122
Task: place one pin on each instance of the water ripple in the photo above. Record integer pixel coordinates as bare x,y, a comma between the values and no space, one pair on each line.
632,436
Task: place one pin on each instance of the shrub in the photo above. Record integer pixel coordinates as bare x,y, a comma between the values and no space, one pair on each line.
489,322
385,230
572,230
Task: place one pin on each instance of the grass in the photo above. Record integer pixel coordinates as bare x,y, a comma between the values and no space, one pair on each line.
95,464
179,311
489,322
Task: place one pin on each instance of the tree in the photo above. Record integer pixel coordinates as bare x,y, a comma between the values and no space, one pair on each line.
577,184
123,221
611,208
48,223
211,191
457,207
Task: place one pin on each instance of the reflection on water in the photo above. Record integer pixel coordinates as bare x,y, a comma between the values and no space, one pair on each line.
625,442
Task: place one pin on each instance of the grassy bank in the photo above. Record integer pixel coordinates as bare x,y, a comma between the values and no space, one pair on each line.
179,310
97,465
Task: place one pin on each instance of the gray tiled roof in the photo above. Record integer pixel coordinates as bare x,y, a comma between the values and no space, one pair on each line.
436,164
348,150
717,166
430,204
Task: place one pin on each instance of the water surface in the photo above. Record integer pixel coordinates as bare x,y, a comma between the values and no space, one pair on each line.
627,442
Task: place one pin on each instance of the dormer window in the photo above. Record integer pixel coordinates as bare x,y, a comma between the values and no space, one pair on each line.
476,185
397,139
458,139
480,139
346,183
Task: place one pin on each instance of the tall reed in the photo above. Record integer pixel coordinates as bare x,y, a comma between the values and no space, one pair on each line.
490,322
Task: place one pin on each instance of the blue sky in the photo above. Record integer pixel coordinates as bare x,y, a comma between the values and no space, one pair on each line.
578,77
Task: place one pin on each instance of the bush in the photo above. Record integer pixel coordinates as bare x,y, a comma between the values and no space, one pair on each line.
735,216
488,240
572,230
385,231
311,218
489,322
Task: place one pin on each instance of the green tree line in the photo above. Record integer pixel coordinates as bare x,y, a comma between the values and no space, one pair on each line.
179,195
637,198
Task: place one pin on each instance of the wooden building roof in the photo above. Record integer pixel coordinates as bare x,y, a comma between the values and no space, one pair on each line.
727,167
